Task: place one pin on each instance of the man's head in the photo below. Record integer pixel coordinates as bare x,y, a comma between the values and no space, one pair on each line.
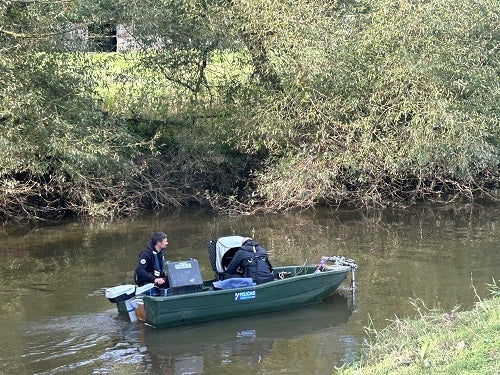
245,239
159,240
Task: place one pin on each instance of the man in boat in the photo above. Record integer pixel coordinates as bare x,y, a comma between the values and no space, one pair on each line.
151,265
251,261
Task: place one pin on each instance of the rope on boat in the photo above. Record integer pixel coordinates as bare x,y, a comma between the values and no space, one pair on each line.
301,268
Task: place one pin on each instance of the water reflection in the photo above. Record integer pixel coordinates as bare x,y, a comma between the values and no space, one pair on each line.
106,343
245,340
55,318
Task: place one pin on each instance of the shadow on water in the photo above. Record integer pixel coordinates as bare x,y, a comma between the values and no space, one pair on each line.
250,339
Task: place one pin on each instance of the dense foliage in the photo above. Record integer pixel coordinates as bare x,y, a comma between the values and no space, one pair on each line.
255,104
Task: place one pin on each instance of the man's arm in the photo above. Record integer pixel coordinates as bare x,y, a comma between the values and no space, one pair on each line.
235,263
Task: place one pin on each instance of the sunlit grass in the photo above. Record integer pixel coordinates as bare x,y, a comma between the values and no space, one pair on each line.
436,343
127,85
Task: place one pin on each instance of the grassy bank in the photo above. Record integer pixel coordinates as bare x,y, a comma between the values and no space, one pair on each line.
437,343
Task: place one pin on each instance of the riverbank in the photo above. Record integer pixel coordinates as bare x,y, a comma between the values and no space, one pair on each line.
437,343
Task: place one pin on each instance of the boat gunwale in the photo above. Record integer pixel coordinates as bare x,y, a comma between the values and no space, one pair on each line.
334,269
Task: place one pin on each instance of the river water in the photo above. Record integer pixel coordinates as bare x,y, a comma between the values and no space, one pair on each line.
55,319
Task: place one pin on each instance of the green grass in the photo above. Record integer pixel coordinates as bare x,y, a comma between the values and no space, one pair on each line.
437,343
128,87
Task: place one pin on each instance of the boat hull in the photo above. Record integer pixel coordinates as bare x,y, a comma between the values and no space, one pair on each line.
304,288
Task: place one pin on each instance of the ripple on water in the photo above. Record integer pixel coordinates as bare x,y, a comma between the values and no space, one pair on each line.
95,343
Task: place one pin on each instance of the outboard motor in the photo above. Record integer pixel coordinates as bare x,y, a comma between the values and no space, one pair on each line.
125,293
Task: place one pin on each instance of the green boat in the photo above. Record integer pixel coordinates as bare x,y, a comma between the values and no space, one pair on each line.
189,301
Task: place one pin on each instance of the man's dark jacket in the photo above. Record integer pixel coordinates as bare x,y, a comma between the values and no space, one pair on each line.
252,260
150,266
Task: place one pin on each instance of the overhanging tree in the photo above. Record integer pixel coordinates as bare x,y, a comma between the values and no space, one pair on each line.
281,104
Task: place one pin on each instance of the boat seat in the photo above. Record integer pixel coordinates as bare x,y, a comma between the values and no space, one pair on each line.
226,257
212,255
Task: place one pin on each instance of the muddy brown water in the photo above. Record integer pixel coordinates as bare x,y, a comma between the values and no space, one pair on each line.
55,319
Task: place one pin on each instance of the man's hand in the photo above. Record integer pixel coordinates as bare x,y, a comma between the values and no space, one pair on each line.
159,281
